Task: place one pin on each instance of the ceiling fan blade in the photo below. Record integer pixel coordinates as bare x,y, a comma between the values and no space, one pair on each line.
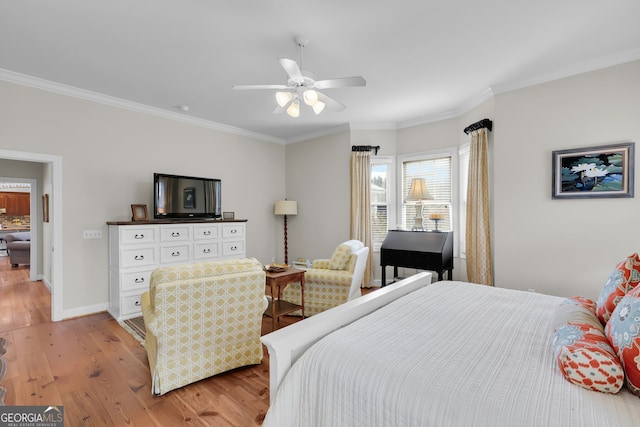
292,69
330,102
341,82
250,87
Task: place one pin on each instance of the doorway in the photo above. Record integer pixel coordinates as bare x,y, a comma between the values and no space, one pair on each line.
31,186
51,184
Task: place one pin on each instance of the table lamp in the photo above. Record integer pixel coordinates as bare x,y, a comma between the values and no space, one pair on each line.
417,193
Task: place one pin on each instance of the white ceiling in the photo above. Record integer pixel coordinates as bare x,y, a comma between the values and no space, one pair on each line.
422,59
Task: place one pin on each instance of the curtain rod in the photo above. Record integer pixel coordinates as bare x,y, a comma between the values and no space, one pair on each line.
373,148
484,123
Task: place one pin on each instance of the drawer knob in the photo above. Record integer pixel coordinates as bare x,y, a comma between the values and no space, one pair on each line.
234,231
206,251
234,248
176,253
138,236
137,303
139,257
175,234
139,280
207,233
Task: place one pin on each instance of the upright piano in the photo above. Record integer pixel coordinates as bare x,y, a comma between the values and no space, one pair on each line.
424,250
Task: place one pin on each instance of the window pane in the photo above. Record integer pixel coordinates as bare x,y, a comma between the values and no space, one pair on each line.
379,204
437,175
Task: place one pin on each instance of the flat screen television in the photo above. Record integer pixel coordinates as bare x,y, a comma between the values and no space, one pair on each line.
177,196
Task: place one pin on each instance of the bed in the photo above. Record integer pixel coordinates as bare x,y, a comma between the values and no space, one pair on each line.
446,354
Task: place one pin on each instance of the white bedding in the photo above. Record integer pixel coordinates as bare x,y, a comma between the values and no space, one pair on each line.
450,354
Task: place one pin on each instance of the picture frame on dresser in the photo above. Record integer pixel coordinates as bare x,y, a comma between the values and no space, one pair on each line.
140,213
228,215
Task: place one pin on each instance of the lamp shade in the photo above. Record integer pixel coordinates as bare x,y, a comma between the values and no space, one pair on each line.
286,207
418,190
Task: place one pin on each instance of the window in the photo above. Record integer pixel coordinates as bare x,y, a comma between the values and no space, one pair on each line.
437,170
381,199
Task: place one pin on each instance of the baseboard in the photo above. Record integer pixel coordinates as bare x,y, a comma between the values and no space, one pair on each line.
84,311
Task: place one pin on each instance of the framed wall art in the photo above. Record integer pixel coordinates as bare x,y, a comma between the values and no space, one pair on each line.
601,171
45,207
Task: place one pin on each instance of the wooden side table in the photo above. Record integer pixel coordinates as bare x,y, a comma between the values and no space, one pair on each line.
276,281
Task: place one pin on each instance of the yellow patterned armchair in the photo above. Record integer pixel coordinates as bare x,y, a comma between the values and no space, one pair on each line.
202,319
331,282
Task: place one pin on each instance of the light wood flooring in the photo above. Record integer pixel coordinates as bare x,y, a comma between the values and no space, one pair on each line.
100,373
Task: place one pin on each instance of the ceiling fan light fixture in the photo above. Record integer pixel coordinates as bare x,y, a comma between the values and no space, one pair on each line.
294,109
283,98
310,97
318,106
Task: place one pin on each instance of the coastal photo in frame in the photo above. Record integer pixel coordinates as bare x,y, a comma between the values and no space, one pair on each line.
601,171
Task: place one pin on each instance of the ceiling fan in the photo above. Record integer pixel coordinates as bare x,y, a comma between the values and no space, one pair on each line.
302,86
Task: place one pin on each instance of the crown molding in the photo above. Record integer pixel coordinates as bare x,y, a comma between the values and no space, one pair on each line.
62,89
581,68
324,132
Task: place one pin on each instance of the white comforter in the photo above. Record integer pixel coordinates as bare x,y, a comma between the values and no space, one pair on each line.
450,354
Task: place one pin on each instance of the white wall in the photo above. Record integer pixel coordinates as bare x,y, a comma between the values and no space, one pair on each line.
318,179
109,156
562,247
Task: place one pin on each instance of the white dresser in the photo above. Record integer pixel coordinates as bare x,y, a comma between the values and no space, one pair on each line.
135,250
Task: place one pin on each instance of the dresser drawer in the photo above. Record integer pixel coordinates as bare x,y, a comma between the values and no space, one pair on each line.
206,250
138,257
138,235
206,232
173,233
130,305
134,281
174,253
232,230
233,248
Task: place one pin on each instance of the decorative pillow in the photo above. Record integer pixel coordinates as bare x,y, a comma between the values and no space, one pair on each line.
622,279
579,310
623,332
586,359
340,258
582,351
585,302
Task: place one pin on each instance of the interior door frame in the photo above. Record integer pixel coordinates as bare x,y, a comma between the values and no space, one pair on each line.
55,220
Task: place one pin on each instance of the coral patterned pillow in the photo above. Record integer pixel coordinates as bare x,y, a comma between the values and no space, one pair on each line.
585,302
623,332
575,310
622,279
586,359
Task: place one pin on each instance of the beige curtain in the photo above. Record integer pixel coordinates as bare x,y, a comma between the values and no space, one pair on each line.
361,206
478,236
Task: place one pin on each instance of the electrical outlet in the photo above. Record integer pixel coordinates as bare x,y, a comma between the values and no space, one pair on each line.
92,234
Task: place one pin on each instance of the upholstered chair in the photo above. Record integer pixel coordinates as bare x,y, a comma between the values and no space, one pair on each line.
331,282
203,319
19,247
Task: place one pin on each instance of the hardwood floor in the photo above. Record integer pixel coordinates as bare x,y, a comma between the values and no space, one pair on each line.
100,373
